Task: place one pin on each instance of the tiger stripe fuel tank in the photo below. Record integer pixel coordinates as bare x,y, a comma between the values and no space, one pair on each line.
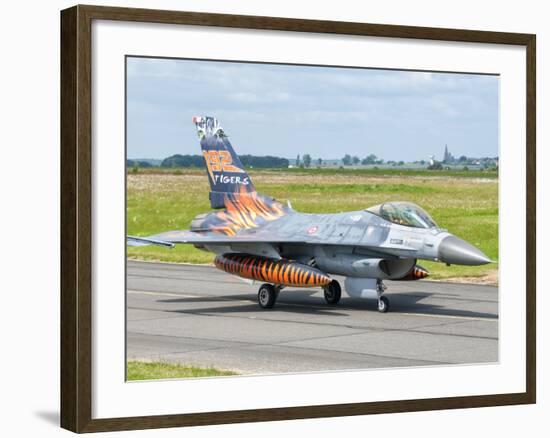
282,272
416,273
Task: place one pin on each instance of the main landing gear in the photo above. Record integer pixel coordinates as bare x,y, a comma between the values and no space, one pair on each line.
333,292
267,295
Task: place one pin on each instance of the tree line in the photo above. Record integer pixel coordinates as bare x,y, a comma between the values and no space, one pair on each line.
348,160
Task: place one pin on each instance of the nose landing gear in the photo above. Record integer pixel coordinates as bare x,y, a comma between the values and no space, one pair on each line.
383,302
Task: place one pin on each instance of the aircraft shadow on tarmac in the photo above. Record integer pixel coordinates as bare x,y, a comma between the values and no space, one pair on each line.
295,302
411,302
302,301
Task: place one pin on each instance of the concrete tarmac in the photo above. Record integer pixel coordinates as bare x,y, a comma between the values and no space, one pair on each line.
198,315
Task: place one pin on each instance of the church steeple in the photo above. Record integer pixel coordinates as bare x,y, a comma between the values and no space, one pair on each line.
446,155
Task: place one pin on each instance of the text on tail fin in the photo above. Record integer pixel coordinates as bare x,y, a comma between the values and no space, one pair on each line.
226,173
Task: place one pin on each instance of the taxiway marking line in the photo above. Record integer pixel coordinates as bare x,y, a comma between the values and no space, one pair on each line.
170,294
163,294
431,315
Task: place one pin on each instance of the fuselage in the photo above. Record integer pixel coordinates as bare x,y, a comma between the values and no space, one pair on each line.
356,243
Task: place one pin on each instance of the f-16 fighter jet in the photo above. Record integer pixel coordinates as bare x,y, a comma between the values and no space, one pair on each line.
258,238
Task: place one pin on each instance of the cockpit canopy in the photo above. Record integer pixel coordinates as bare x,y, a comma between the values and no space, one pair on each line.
404,213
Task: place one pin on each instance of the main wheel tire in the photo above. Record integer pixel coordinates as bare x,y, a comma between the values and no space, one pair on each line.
333,292
383,304
267,295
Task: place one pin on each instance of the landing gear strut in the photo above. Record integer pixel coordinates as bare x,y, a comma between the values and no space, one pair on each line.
333,292
267,295
383,302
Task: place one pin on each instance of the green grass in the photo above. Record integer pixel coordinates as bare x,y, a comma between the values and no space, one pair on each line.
139,370
465,205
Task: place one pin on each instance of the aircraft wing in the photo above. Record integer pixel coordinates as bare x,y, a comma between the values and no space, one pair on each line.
171,238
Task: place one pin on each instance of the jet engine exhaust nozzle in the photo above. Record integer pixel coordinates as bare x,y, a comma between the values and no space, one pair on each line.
455,251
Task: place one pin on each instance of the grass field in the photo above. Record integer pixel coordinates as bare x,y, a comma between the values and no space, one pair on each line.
138,370
465,202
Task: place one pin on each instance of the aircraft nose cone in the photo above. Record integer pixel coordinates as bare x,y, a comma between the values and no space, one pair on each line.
455,251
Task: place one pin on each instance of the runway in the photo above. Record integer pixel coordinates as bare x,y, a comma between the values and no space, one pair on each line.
201,316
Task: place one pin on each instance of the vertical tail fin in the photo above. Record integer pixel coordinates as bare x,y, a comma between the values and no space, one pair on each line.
226,173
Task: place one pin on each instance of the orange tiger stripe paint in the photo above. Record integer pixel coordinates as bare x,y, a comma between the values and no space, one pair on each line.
282,272
416,273
246,210
275,274
286,278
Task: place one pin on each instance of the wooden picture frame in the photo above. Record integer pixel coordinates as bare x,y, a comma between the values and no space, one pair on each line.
76,217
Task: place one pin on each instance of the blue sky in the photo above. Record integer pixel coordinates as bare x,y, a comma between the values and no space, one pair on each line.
327,112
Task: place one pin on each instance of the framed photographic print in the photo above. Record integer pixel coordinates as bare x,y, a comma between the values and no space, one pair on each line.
269,218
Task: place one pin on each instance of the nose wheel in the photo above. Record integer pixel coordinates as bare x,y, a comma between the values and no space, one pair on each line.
383,302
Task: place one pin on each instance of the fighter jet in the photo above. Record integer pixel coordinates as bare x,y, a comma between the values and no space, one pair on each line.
257,238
